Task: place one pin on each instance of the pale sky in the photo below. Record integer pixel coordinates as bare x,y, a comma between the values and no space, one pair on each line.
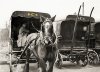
61,8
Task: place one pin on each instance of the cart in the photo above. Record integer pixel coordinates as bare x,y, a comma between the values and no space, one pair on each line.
74,51
33,24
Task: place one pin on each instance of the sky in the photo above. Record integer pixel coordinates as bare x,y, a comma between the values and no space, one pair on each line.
60,8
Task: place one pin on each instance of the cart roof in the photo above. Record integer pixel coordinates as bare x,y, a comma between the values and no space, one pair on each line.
29,14
81,18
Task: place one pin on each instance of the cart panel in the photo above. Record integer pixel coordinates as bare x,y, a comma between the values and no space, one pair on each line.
97,33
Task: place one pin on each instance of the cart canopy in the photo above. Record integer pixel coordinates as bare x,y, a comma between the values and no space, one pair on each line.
29,14
31,19
27,17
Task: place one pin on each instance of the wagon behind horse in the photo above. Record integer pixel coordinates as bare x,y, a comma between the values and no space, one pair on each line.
34,26
76,52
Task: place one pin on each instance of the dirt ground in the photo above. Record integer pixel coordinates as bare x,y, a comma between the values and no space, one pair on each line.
67,66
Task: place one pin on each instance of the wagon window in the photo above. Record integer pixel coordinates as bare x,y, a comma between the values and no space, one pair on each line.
81,30
67,28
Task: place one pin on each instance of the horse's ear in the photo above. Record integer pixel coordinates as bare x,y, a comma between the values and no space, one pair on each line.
42,19
53,18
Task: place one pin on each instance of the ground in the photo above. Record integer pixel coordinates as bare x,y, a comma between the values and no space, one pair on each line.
67,66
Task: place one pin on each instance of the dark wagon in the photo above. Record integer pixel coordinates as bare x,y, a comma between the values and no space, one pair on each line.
33,24
74,51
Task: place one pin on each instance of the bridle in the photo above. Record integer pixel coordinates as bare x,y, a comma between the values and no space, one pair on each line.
47,38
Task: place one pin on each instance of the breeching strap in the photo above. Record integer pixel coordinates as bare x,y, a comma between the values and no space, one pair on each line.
26,47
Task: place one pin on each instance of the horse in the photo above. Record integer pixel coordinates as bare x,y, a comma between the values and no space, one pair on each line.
43,45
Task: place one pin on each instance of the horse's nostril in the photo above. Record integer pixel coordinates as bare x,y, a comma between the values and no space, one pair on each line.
47,42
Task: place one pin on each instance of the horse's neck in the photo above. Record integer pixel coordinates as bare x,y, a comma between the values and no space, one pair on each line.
42,35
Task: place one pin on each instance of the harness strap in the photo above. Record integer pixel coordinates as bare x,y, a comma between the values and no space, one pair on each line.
26,47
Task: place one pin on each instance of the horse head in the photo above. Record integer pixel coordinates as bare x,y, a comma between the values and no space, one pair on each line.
47,29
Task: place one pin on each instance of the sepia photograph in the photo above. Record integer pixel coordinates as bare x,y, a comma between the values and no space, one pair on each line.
49,36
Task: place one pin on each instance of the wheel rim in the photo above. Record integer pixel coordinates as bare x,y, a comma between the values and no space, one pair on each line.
93,58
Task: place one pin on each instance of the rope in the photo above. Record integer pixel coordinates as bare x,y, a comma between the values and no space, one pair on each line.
35,28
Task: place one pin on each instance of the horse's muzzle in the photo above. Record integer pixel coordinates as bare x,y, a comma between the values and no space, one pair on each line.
47,42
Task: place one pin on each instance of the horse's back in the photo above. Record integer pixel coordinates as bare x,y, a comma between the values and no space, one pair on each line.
32,36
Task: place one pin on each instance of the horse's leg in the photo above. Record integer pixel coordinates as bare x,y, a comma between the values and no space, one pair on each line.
41,62
42,65
51,64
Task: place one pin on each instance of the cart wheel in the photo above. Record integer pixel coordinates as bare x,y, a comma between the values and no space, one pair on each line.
58,64
83,61
93,58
